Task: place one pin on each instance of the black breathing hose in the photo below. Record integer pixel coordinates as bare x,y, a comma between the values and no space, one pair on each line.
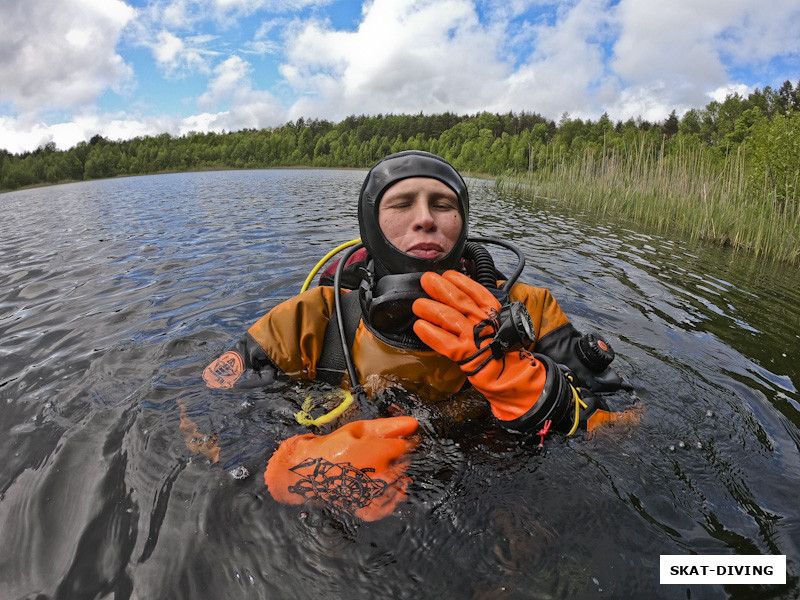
337,301
520,259
486,273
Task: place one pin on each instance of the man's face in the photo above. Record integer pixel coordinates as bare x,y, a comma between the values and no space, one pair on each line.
420,216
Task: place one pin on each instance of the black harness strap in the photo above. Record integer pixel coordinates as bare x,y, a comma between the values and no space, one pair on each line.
331,365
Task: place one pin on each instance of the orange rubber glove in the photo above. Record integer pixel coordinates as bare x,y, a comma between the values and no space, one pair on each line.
225,371
359,468
458,314
198,442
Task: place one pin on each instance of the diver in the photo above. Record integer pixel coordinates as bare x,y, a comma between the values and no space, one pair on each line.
417,305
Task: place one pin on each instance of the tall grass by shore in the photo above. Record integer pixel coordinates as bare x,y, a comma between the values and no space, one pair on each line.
688,190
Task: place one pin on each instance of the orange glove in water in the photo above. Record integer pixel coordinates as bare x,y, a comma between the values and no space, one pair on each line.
461,318
198,442
359,468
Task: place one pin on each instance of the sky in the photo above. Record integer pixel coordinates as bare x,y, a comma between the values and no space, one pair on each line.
72,69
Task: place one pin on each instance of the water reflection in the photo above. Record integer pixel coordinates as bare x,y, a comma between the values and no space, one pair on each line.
114,295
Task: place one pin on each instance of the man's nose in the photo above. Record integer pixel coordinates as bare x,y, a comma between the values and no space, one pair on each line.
423,218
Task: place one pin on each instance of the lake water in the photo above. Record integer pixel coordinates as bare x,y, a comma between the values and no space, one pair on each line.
115,294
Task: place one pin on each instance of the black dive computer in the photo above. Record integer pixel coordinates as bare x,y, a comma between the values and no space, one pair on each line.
516,328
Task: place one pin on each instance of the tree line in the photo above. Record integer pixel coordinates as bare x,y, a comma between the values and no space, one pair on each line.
514,143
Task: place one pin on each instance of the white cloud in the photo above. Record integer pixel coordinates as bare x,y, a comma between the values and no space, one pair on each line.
57,54
229,77
25,134
723,92
261,47
406,56
169,29
167,48
628,58
186,14
678,54
20,135
252,6
668,49
418,55
240,106
566,70
755,32
230,104
586,57
176,57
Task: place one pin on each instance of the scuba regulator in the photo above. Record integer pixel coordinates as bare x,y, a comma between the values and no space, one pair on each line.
386,301
385,308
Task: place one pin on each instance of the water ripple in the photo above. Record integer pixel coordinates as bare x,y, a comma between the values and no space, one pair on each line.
115,294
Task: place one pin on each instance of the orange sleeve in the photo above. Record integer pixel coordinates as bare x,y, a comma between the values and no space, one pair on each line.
292,333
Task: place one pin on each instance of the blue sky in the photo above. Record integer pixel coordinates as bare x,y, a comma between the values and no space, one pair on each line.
125,68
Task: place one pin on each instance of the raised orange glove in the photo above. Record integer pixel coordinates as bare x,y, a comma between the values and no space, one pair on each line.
460,321
359,468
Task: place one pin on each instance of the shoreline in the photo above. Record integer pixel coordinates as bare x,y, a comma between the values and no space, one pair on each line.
588,194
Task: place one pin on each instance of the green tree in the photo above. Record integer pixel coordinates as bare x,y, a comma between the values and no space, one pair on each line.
774,156
787,99
671,125
690,123
744,125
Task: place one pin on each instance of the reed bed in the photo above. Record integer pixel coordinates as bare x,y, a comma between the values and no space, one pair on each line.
688,190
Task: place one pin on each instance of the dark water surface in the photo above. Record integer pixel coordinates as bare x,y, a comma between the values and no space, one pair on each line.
115,294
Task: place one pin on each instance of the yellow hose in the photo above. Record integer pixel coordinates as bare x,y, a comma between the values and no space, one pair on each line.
578,404
304,416
325,259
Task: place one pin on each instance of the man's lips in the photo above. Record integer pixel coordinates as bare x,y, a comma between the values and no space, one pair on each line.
425,250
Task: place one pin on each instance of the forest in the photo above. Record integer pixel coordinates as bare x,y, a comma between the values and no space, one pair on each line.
752,143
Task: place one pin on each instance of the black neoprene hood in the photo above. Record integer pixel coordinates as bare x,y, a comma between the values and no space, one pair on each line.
387,172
